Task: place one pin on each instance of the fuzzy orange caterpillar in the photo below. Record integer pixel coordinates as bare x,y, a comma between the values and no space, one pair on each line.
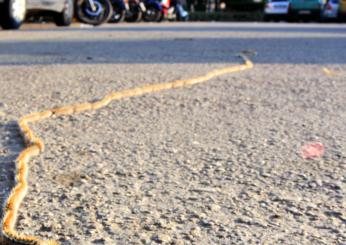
82,107
34,146
101,103
64,110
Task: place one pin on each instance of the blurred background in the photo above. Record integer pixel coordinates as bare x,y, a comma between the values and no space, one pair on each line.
96,12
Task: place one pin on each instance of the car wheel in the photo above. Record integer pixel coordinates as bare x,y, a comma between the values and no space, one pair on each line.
12,14
65,17
322,19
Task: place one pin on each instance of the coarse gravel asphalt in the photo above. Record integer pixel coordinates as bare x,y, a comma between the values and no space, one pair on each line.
215,163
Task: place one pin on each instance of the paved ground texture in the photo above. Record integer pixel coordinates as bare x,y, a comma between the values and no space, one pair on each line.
217,163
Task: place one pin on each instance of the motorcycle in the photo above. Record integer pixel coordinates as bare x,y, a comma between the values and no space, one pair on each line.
154,11
174,11
134,10
119,11
94,12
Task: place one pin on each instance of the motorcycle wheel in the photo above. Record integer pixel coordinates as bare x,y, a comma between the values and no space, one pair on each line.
153,14
117,16
135,13
102,14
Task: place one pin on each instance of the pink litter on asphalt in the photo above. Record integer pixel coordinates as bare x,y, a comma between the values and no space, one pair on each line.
312,150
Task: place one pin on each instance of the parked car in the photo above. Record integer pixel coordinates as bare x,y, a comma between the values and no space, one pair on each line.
330,10
14,12
276,9
306,8
342,10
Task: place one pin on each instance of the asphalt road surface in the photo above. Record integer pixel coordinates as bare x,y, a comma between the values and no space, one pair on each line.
216,163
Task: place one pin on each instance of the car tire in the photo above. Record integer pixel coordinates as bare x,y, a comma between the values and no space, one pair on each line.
65,17
341,18
12,14
322,19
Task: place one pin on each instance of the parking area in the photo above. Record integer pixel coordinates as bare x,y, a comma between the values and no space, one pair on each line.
215,163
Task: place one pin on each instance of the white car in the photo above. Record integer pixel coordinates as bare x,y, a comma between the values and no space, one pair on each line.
331,9
276,9
13,12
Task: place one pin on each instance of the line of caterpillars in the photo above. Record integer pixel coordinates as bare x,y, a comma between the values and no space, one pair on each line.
34,145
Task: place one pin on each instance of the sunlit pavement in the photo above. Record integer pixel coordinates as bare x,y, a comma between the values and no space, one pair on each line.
255,157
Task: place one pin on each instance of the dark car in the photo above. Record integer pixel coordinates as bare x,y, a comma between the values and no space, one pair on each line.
14,12
305,8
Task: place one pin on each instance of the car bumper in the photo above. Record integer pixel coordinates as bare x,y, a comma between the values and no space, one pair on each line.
276,8
276,11
305,12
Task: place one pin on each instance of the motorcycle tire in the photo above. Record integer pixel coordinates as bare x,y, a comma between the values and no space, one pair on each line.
12,13
102,14
152,14
134,15
118,14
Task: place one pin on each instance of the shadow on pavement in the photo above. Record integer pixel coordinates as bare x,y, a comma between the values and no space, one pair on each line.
11,145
